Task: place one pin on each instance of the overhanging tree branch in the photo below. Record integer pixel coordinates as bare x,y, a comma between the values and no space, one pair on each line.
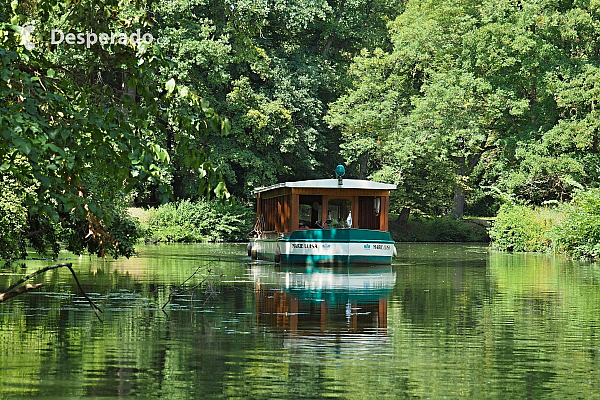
15,289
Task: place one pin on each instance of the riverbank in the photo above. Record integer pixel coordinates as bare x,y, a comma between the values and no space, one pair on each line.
570,228
441,229
186,222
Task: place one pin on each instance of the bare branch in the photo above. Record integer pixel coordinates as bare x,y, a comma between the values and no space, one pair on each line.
179,288
15,289
40,271
26,288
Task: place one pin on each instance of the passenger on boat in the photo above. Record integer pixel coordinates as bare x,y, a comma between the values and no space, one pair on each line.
329,220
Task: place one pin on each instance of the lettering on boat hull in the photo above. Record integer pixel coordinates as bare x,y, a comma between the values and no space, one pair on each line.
289,251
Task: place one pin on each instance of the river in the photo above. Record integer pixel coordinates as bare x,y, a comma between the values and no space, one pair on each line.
444,321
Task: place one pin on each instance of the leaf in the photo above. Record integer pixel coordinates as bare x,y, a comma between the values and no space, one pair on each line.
205,105
225,126
57,149
24,146
170,85
221,191
183,91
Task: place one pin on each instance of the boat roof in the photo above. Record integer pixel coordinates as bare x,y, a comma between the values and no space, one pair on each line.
329,184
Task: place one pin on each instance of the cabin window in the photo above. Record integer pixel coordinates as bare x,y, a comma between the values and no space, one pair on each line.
305,215
310,211
340,210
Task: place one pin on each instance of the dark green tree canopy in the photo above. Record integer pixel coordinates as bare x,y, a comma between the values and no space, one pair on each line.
499,95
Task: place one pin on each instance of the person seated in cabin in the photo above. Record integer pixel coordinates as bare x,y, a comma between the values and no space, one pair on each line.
303,225
329,220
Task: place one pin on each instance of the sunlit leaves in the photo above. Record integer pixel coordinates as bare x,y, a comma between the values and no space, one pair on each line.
503,93
72,112
170,85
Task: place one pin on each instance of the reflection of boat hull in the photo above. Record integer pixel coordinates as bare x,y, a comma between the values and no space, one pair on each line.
328,246
332,299
340,286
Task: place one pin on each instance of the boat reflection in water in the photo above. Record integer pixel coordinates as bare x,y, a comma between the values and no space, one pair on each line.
323,300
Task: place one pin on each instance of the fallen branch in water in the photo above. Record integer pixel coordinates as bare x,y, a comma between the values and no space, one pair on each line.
20,290
15,289
179,288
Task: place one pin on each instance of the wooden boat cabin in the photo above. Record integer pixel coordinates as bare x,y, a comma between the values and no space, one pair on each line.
290,206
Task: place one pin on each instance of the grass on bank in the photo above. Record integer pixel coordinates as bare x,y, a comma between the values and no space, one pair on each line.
571,228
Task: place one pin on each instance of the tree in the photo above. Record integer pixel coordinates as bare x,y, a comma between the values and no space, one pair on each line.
80,126
272,67
501,93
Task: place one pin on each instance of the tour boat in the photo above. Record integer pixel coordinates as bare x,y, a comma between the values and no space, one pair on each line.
323,221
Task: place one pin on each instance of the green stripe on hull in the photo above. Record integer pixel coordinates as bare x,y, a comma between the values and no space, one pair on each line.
347,235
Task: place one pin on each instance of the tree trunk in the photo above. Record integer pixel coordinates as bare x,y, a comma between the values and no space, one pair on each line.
362,165
338,17
403,217
459,202
459,190
129,91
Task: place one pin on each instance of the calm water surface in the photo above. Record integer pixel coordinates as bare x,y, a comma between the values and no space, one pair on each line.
444,321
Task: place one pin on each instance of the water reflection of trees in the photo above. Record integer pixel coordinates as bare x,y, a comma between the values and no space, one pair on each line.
516,326
520,325
52,336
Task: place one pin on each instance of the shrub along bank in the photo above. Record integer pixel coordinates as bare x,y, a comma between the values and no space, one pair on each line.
440,229
571,228
199,221
202,221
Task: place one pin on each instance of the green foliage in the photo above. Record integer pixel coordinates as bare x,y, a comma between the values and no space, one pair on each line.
125,232
70,114
447,99
572,228
439,229
272,67
524,228
493,94
13,223
579,232
187,221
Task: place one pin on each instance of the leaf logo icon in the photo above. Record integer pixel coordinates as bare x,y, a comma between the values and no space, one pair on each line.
26,31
